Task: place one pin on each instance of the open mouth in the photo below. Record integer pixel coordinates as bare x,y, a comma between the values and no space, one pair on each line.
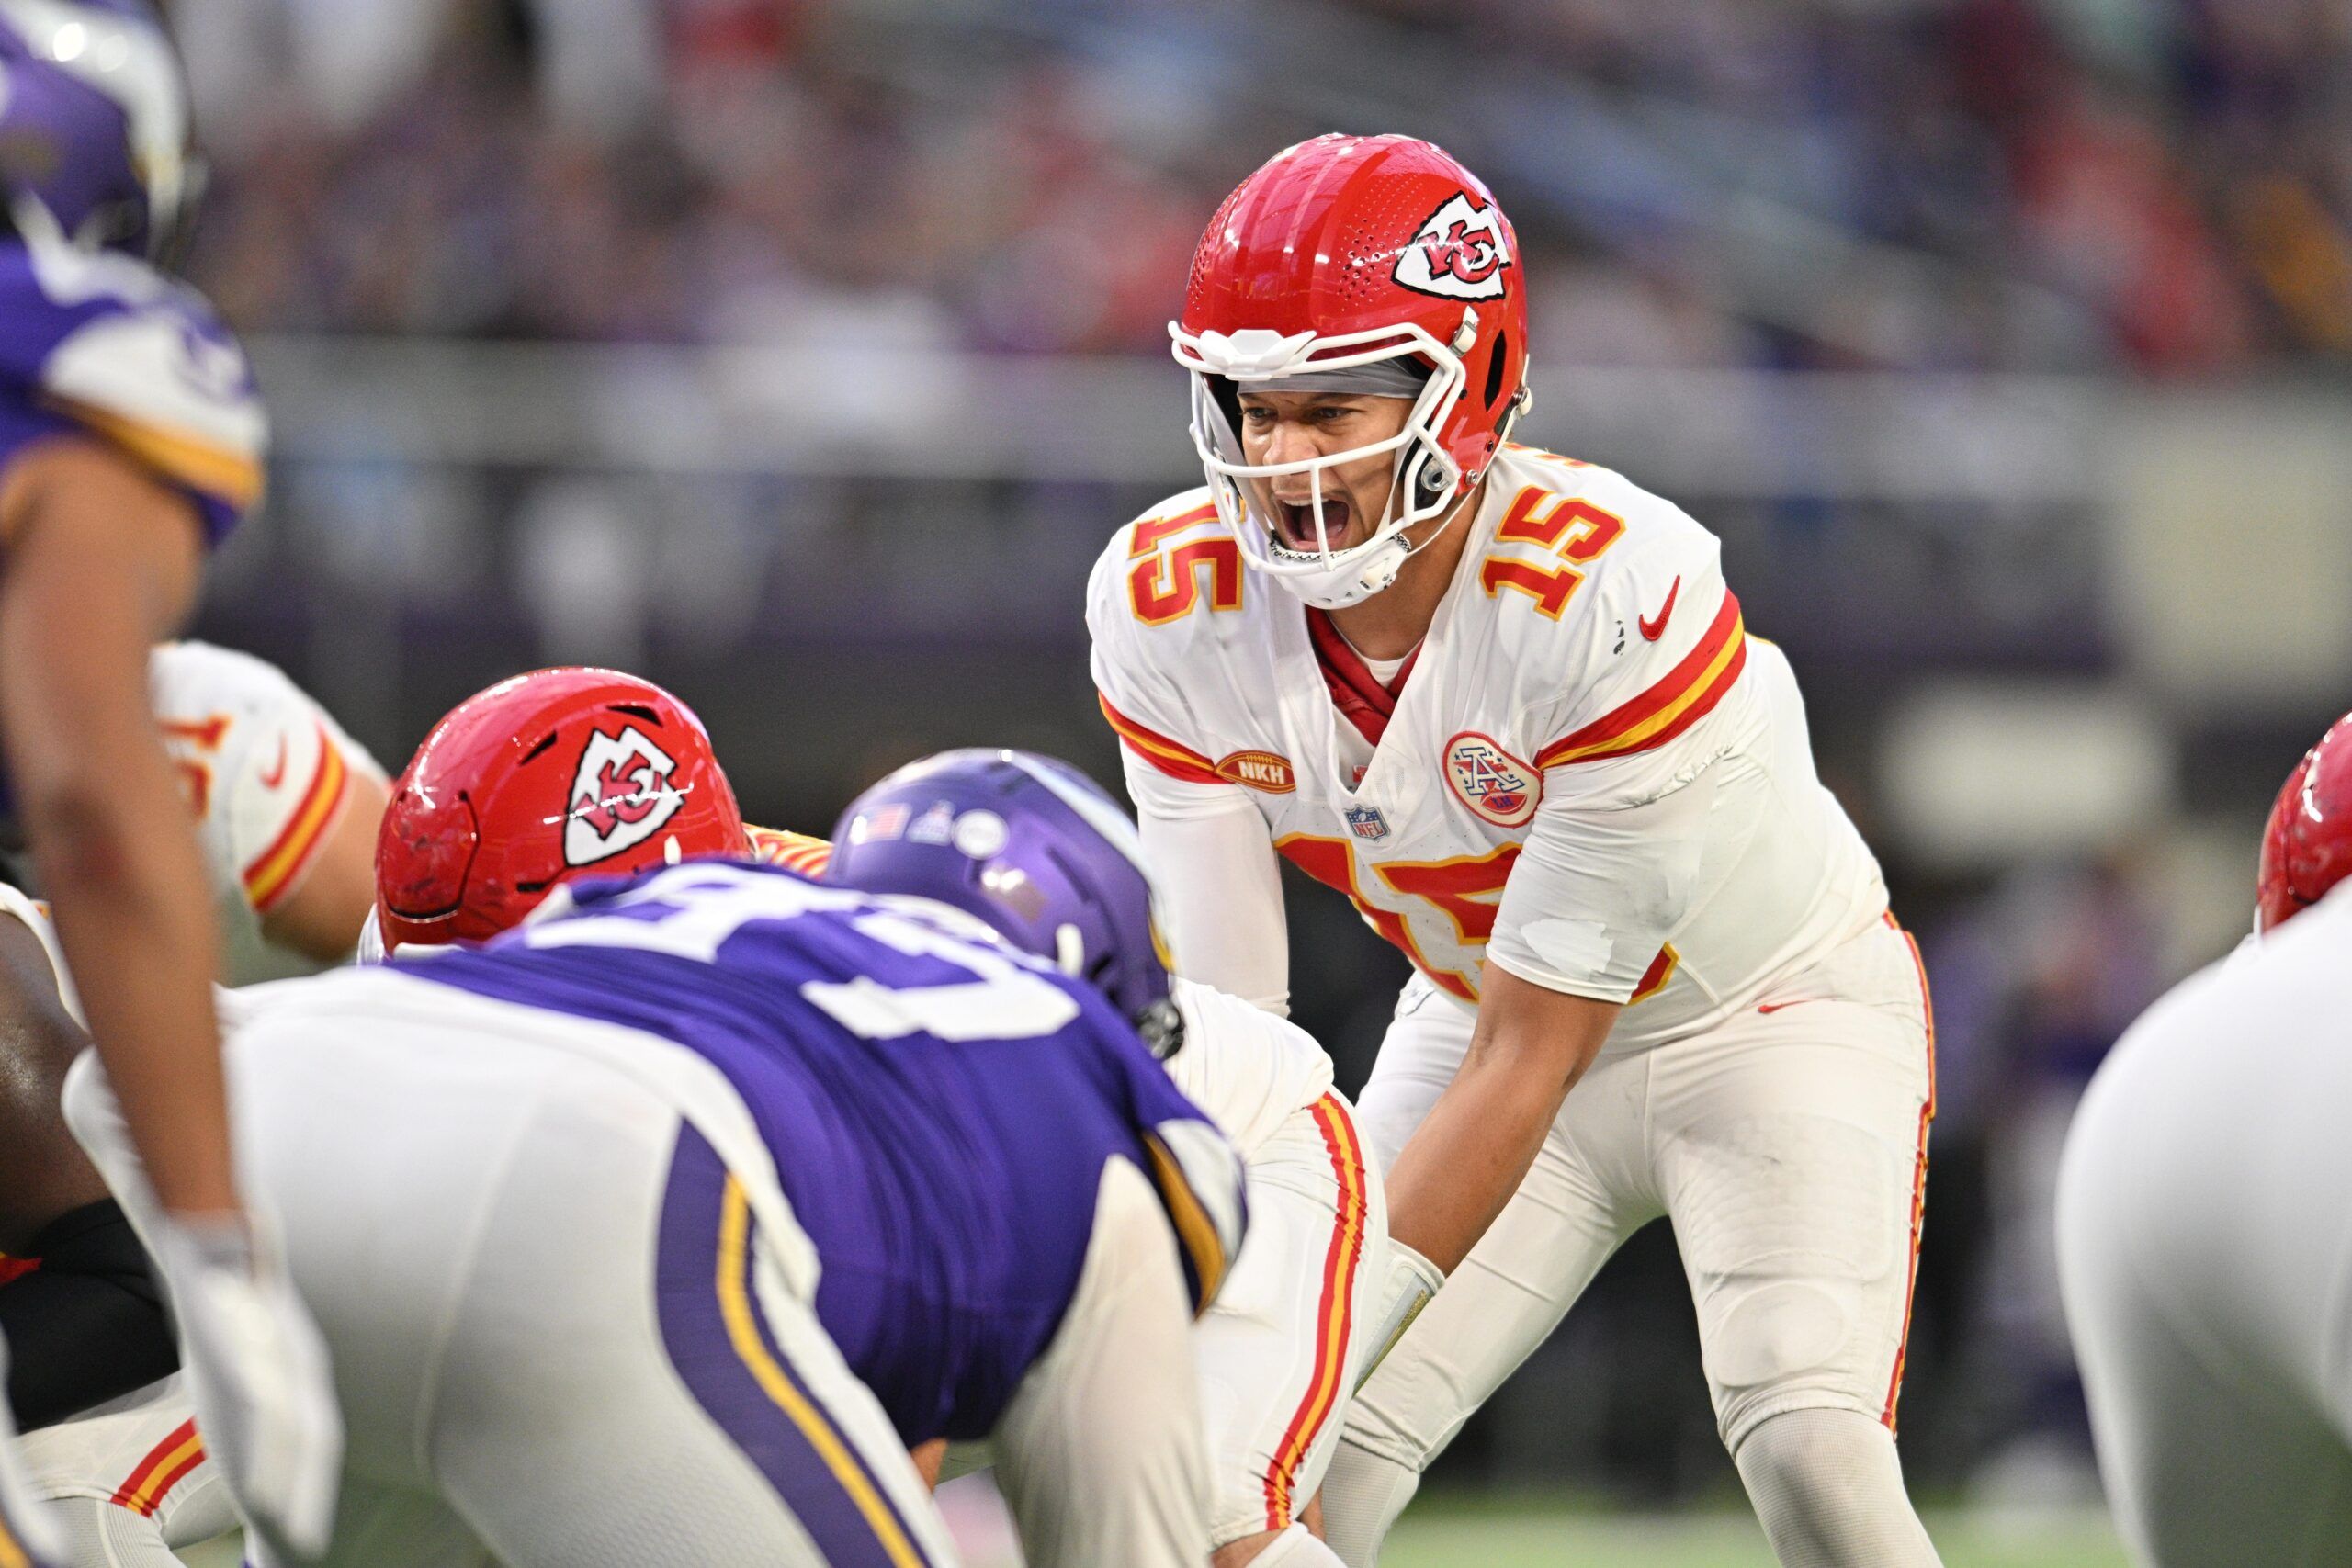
1294,524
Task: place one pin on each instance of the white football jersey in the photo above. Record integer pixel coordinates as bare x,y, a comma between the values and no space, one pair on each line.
1246,1068
1592,775
267,770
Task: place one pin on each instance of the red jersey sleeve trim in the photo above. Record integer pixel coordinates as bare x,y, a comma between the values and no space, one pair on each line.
1175,759
1688,693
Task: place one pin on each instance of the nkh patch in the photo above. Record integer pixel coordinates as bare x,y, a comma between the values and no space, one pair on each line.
1366,822
620,795
1490,781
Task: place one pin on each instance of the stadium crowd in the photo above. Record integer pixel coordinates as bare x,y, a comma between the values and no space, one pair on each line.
2151,187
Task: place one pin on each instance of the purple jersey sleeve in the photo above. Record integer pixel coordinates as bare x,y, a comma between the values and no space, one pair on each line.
101,344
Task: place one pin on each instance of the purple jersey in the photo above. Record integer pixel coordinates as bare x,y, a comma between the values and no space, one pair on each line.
101,344
940,1107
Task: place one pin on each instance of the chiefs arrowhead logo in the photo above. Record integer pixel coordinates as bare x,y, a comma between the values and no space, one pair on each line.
1457,254
620,795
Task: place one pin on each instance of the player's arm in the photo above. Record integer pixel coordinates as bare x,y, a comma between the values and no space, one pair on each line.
1458,1170
101,559
1219,884
321,914
1594,897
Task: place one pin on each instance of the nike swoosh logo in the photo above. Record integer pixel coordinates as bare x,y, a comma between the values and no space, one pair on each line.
276,774
1653,630
1775,1006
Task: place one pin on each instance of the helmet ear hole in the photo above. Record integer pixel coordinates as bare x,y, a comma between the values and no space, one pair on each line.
1494,369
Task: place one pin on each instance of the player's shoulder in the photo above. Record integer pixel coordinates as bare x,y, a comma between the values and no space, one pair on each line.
108,343
1592,518
188,680
1576,562
1172,562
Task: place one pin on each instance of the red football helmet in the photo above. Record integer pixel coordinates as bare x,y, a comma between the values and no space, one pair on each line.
2307,847
543,778
1343,252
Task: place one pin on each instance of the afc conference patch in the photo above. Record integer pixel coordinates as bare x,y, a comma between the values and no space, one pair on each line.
1490,781
1366,822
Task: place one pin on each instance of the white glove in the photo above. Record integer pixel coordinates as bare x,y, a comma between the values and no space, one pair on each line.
1413,1280
259,1372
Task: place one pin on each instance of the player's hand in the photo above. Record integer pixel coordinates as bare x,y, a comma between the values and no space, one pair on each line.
259,1372
1413,1280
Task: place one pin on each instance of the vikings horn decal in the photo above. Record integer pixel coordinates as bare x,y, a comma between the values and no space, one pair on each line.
621,796
1458,252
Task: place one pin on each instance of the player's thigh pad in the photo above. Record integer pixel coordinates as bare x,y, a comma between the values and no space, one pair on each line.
1100,1454
1790,1149
1280,1350
1588,1191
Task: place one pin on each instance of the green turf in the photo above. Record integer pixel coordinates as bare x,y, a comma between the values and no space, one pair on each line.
1446,1533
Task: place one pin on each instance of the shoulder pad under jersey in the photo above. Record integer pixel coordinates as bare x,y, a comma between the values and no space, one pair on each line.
103,343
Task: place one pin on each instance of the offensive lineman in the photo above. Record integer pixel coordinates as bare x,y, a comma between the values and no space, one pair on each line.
131,440
286,807
1505,702
2202,1238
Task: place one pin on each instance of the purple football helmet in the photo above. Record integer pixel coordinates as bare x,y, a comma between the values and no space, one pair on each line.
1035,849
94,121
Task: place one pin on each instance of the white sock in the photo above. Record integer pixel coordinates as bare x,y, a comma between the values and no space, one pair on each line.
1294,1548
1828,1491
1363,1494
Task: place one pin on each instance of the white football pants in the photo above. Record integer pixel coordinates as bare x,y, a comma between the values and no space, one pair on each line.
2205,1258
1787,1145
1282,1349
129,1484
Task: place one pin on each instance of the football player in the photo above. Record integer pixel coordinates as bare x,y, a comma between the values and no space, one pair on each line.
1505,702
2202,1249
993,833
600,1218
286,807
130,441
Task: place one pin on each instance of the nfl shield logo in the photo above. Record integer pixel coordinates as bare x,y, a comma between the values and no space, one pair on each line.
1366,822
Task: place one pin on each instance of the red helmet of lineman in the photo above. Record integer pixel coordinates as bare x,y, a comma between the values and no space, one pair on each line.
540,779
2307,847
1360,265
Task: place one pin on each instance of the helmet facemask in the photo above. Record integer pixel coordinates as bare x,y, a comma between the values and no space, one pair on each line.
1424,479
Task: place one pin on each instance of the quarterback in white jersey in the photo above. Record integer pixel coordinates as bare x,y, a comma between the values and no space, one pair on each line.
1506,703
2202,1243
286,806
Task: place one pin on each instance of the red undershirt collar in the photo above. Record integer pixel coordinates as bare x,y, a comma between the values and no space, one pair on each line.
1361,700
